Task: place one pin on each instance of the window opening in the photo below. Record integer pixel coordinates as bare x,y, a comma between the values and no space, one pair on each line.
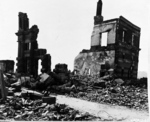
104,39
132,40
123,33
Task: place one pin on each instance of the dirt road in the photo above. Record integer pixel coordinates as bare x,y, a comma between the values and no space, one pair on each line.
106,112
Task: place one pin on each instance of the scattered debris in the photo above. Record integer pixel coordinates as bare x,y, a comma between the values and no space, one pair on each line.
22,109
119,81
114,94
103,74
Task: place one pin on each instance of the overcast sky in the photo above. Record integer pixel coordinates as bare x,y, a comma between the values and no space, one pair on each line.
66,25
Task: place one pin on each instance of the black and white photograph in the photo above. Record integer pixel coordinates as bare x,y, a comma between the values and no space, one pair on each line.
74,60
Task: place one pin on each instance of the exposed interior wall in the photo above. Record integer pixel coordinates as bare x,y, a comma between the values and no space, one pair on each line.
90,63
98,30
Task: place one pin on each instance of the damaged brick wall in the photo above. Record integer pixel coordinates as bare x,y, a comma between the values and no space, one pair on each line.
28,51
120,53
127,49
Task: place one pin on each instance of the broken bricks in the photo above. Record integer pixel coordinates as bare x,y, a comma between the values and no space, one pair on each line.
119,81
31,94
16,108
100,83
122,95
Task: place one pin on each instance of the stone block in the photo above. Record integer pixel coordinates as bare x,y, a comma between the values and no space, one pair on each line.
10,93
49,100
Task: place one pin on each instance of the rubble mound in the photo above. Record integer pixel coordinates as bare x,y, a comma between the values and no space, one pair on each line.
18,108
106,91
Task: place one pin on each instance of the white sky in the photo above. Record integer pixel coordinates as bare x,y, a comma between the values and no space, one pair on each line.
66,25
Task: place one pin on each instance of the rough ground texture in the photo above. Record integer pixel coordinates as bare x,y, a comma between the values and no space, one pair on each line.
106,92
105,112
18,108
101,97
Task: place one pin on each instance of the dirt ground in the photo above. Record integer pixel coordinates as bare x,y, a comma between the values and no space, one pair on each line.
106,112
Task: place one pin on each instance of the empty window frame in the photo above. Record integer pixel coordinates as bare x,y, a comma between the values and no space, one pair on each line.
104,37
132,39
123,35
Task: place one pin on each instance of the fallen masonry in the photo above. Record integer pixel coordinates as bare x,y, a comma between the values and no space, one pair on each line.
109,93
26,109
104,90
104,74
26,104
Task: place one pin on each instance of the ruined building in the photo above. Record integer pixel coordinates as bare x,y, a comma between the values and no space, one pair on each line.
28,51
114,46
7,66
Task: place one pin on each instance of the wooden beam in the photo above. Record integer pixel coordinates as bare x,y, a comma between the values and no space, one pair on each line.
2,85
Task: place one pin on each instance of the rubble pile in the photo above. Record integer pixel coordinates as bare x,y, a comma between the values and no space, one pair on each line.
26,109
106,90
124,96
25,95
29,104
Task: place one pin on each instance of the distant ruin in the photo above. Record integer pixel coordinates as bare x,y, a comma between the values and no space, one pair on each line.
7,66
28,51
114,46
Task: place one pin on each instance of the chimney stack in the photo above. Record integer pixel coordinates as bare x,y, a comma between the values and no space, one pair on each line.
99,8
98,19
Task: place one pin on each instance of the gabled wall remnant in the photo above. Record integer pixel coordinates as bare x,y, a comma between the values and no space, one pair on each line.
28,51
120,53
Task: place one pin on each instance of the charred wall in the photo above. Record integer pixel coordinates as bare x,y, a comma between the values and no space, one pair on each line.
7,65
121,52
28,50
127,51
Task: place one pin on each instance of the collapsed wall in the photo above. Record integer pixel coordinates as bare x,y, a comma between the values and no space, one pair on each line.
114,46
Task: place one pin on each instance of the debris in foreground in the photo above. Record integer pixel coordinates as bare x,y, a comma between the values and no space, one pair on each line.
25,109
107,89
